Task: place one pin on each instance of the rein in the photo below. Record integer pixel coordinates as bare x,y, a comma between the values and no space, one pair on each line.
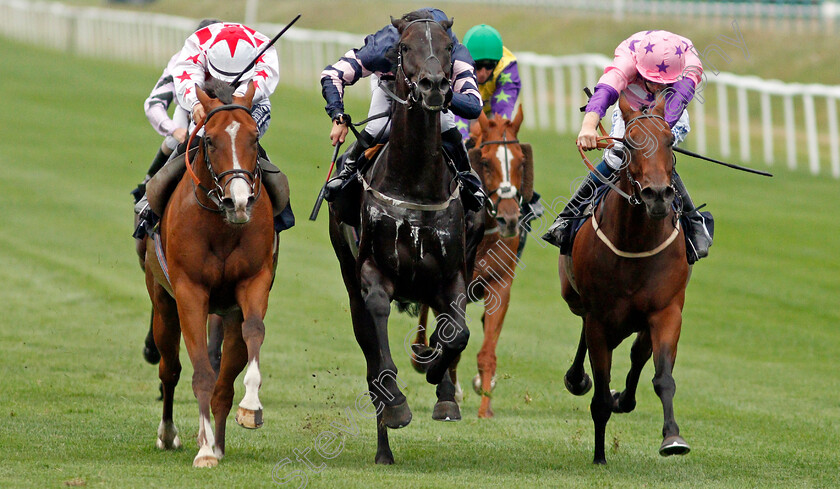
216,194
633,200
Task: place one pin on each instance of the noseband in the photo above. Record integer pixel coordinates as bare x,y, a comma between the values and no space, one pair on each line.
216,194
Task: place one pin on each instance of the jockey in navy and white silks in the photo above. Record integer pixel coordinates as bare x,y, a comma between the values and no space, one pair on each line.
222,51
371,59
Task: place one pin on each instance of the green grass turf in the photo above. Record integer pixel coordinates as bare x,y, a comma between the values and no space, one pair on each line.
756,371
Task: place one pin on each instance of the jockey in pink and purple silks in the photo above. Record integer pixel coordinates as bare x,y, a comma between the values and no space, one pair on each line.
644,64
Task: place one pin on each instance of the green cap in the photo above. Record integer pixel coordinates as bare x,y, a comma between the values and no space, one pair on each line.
484,42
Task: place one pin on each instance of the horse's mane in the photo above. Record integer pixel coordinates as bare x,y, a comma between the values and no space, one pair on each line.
219,89
391,54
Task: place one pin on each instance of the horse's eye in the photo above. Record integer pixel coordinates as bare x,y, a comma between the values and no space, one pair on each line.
403,48
450,47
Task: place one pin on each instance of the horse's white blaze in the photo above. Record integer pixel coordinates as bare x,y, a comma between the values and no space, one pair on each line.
252,381
239,190
506,189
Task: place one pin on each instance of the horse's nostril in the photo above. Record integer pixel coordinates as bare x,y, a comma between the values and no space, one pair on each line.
425,84
668,194
648,193
227,203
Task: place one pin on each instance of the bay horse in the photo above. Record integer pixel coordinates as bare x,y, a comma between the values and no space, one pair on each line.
506,168
218,248
627,274
412,234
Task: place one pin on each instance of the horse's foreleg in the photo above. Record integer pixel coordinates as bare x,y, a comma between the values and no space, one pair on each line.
215,334
446,409
639,354
252,296
600,358
496,301
665,333
451,333
233,361
167,334
192,313
576,380
377,292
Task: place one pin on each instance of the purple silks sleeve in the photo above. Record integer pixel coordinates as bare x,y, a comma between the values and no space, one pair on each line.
677,99
603,98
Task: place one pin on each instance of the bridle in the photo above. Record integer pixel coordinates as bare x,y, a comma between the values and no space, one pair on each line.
217,192
413,89
505,190
607,142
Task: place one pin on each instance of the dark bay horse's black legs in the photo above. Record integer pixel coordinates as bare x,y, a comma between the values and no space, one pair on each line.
215,335
665,332
576,380
451,334
600,358
167,333
639,355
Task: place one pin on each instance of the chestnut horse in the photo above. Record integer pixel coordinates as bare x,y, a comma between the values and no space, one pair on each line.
627,274
218,247
506,168
412,234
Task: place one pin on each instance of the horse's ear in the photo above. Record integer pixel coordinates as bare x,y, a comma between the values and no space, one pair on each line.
659,107
475,133
399,24
483,123
202,97
248,99
517,121
447,24
624,105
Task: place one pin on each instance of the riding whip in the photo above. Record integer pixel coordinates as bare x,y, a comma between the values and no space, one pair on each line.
318,201
271,43
692,153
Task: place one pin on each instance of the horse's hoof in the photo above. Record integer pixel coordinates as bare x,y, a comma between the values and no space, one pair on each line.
581,387
446,411
248,418
599,461
396,417
205,461
151,354
621,406
420,350
174,445
384,458
674,445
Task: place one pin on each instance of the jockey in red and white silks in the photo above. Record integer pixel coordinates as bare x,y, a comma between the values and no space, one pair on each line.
222,51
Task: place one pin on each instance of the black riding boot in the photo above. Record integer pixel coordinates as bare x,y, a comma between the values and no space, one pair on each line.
472,195
157,164
702,227
560,233
349,167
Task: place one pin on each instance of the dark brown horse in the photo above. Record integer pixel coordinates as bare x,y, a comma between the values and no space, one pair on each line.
411,243
218,241
506,168
627,274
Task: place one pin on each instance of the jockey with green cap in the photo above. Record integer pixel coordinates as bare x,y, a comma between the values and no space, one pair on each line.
496,72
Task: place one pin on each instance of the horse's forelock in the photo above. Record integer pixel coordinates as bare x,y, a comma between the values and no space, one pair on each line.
219,89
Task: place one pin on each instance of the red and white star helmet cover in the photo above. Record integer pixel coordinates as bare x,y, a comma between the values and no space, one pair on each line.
230,51
660,57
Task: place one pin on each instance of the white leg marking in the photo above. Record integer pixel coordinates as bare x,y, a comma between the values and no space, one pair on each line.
239,190
252,383
206,442
167,436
